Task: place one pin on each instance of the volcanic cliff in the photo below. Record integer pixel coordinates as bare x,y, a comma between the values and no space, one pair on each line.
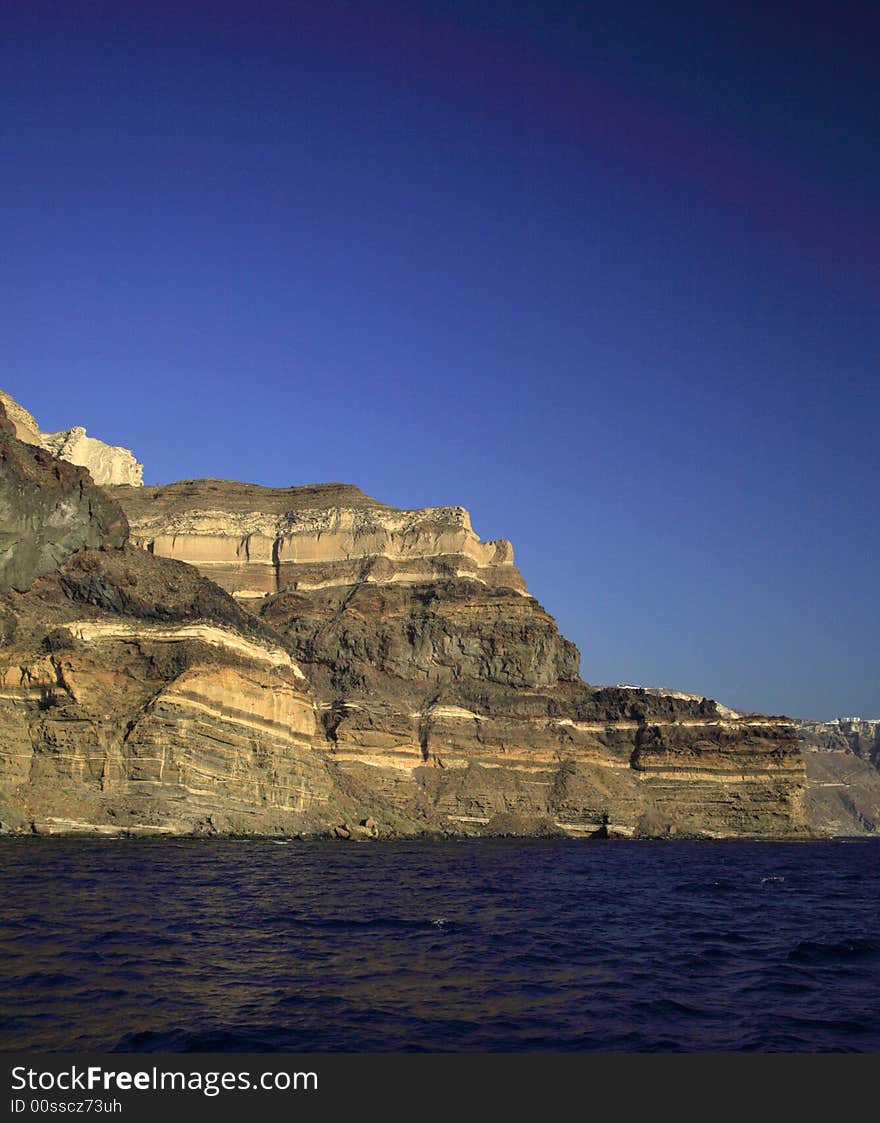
842,760
214,656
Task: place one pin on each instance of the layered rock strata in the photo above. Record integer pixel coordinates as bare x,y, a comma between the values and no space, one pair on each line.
253,540
445,693
460,702
156,731
136,695
395,677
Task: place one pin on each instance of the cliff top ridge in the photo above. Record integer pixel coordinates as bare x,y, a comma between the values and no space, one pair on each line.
235,496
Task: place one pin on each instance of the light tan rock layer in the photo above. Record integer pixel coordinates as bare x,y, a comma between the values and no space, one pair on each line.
102,734
223,638
107,464
261,550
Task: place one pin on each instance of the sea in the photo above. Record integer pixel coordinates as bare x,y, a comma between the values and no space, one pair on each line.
207,945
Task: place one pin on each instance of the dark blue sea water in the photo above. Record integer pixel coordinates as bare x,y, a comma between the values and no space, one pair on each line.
138,945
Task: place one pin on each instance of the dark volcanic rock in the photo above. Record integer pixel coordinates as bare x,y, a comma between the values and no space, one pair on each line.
447,632
133,583
49,509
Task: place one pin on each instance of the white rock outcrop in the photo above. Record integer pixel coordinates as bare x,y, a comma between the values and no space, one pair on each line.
107,464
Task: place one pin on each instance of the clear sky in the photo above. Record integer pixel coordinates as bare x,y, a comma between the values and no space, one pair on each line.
604,273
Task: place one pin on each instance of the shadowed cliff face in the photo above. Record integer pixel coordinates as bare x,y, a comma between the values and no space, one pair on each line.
842,760
48,510
392,637
397,675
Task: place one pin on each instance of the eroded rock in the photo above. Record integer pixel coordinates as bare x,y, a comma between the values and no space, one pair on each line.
48,510
106,464
398,673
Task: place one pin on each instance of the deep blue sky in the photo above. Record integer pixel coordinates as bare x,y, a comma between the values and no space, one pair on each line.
606,274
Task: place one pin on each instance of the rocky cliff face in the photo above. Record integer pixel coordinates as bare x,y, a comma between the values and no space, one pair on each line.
254,540
845,735
48,510
106,464
393,672
135,696
842,760
460,701
446,696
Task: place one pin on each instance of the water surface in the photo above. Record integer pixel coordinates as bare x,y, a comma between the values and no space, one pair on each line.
190,945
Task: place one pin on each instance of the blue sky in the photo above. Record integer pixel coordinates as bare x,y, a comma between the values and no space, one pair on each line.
607,275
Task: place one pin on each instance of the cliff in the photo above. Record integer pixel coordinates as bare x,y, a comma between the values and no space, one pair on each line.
445,693
106,464
848,735
253,540
48,510
136,695
361,670
842,760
